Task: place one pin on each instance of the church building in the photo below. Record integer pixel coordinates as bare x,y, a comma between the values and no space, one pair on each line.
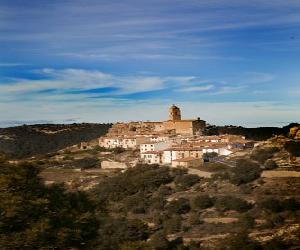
185,127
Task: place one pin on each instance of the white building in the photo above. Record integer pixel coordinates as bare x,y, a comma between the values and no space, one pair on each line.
152,157
122,142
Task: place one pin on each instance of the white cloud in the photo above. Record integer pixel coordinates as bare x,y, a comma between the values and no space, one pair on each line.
197,88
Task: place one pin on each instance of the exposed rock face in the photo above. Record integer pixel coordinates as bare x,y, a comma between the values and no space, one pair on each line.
294,131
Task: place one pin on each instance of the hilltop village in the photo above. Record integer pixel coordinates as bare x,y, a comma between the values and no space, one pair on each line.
150,185
175,142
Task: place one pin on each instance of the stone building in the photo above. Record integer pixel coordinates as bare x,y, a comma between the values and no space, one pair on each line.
184,127
174,125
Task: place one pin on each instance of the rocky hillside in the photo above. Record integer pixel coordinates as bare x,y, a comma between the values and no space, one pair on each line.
25,141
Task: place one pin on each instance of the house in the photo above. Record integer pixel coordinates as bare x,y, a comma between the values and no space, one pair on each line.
152,157
171,154
121,141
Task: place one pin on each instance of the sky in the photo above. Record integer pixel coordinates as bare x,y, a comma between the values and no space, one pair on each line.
226,61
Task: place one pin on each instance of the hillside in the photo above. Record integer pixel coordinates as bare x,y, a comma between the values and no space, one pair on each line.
157,207
25,141
258,134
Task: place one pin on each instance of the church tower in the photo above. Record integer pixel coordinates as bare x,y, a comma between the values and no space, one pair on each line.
174,113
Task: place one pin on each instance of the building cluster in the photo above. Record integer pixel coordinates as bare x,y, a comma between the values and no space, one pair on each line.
174,142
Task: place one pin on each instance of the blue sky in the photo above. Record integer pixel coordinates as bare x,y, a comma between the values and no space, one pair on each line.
229,62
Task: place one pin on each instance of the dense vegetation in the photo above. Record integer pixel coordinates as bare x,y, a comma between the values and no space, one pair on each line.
26,141
140,209
33,216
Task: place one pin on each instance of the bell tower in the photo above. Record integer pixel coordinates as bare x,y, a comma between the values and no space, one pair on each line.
174,113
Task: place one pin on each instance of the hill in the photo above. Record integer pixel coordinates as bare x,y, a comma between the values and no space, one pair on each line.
258,134
26,141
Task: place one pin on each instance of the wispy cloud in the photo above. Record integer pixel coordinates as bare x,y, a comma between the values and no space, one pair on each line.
197,88
3,64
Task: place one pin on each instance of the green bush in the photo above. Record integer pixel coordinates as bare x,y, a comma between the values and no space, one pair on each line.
263,154
232,203
173,224
194,219
273,220
180,206
290,204
240,241
270,164
158,241
118,150
86,163
202,202
142,178
271,204
245,171
187,180
293,147
115,232
246,221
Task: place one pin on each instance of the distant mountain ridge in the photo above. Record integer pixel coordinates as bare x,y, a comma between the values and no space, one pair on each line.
29,140
258,134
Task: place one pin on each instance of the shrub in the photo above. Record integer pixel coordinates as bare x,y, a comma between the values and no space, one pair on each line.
173,224
273,220
135,245
290,204
276,206
293,147
275,244
240,241
142,178
86,163
180,206
202,202
115,232
118,150
194,219
186,181
37,217
271,204
209,156
246,221
245,171
158,241
232,203
270,164
263,154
